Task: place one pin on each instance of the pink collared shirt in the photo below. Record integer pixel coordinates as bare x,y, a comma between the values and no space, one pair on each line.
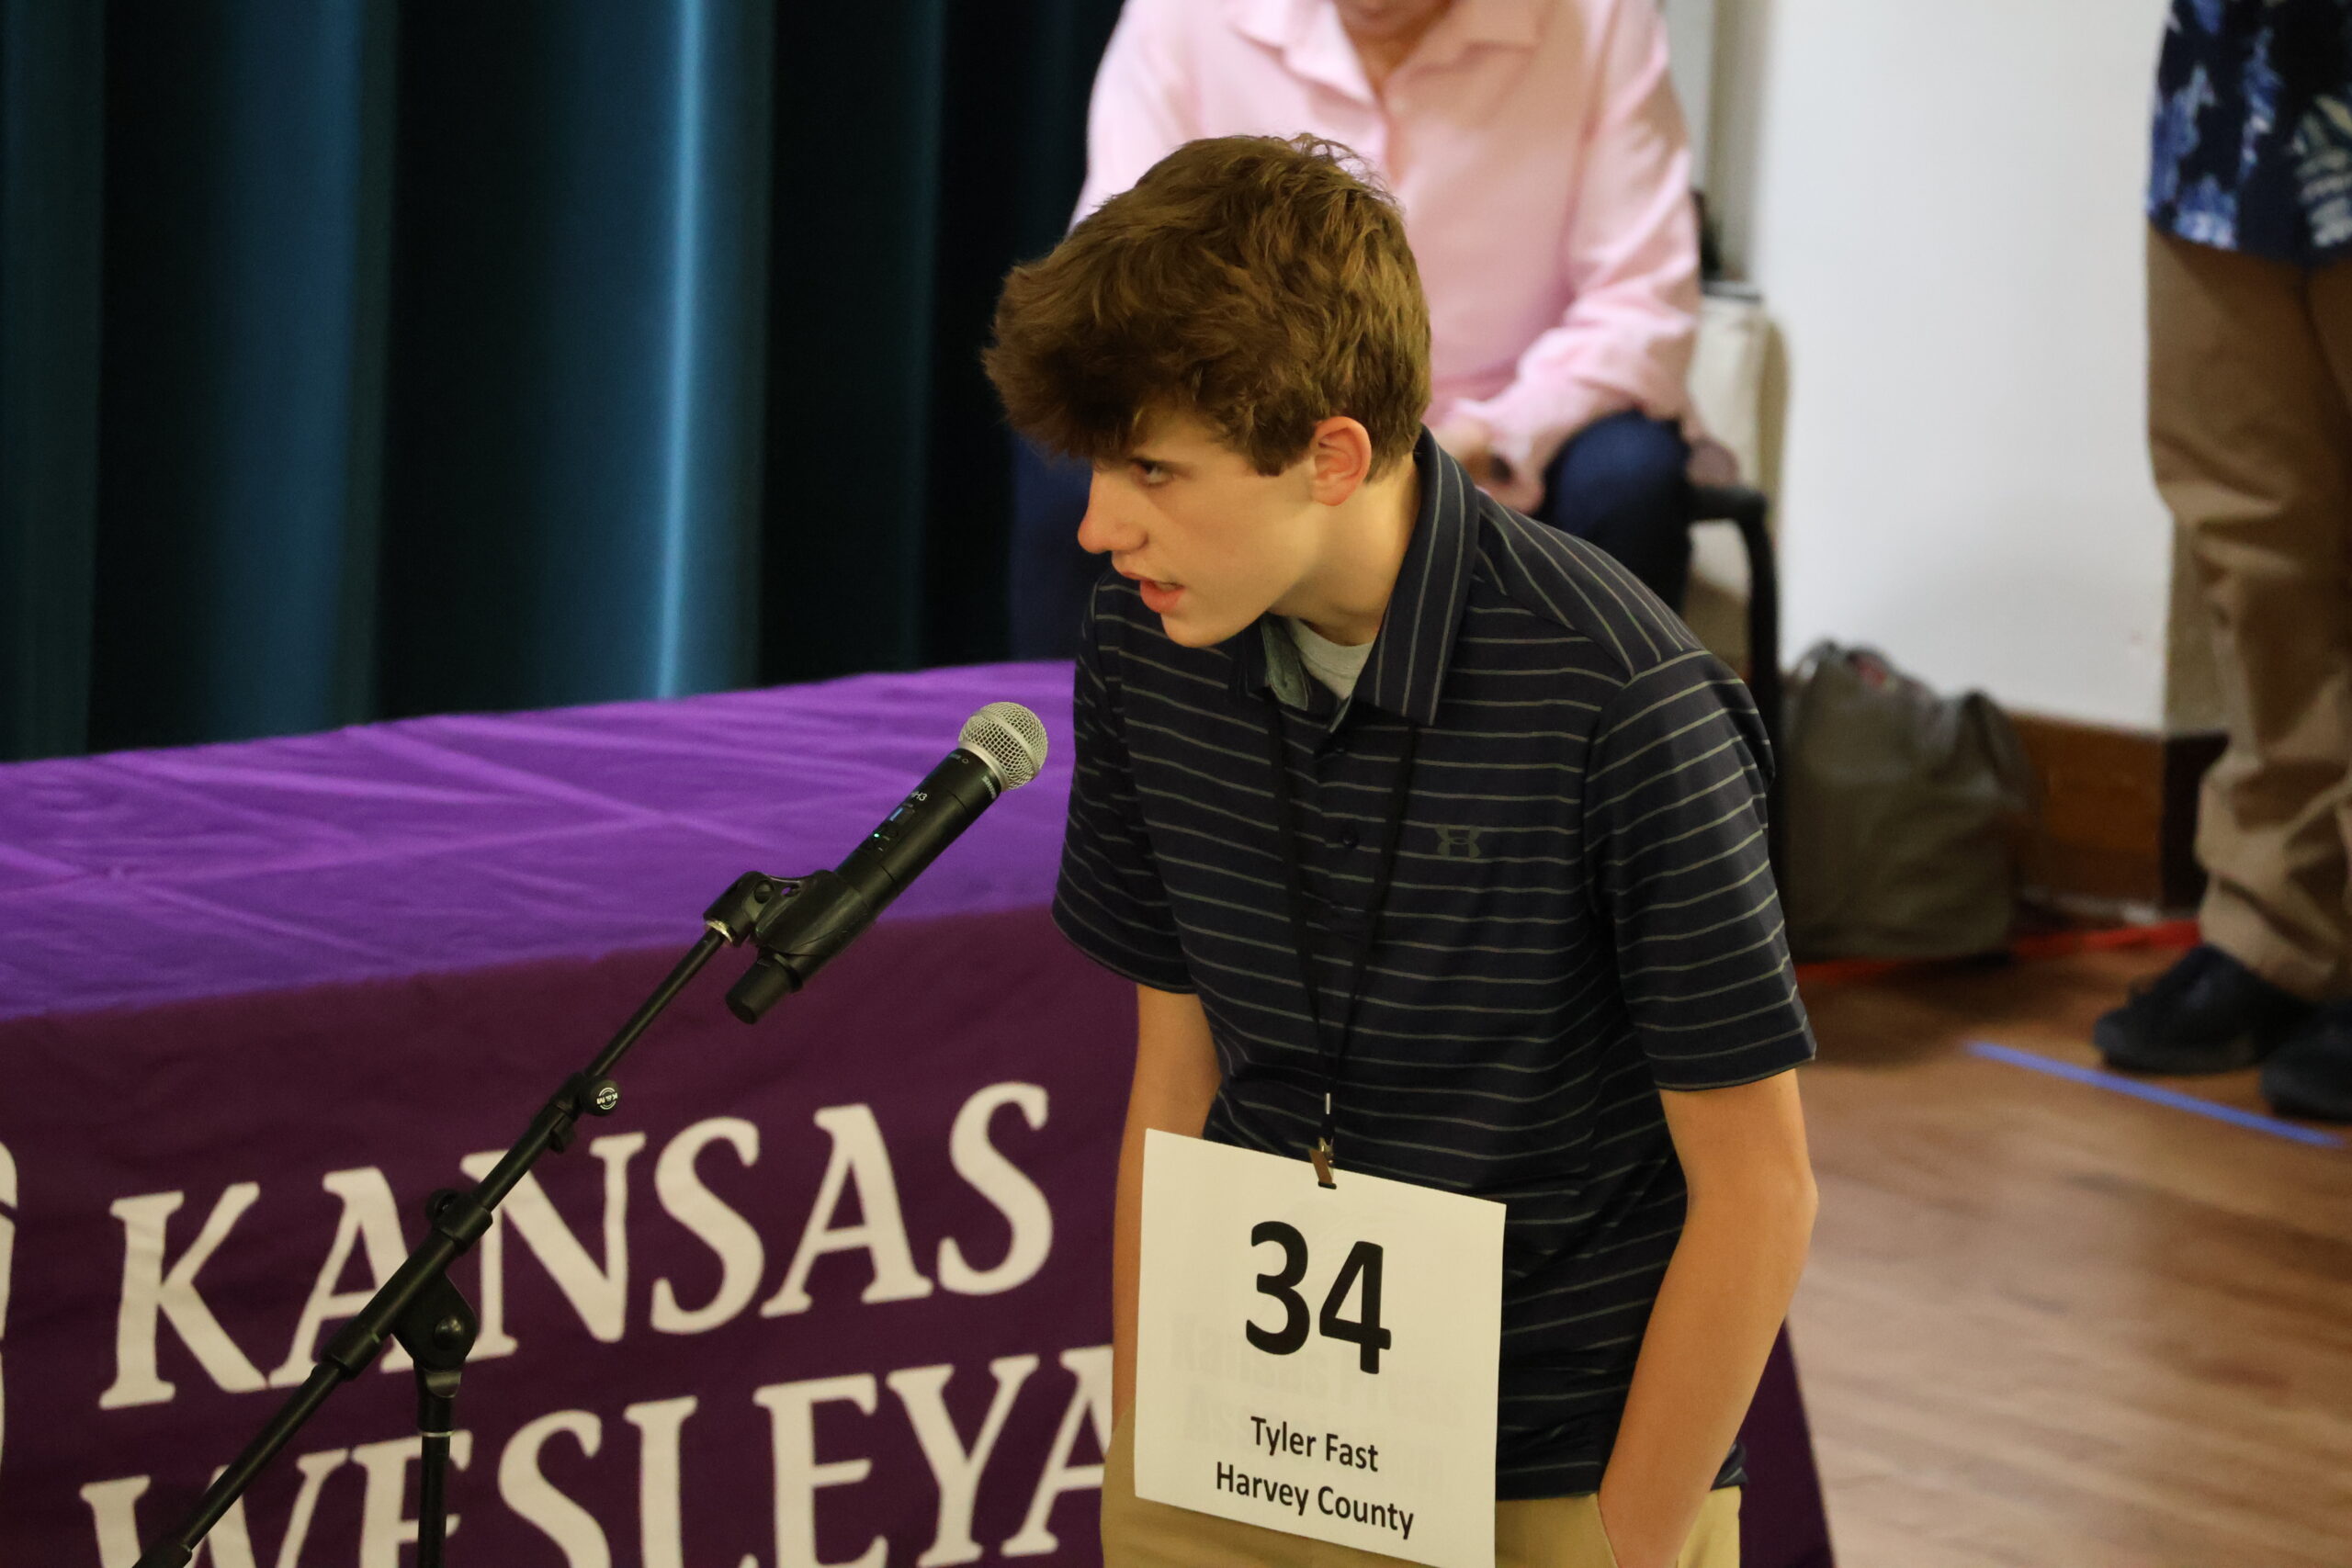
1540,157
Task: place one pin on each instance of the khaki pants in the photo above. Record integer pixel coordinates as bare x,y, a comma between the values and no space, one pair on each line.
1554,1532
2250,426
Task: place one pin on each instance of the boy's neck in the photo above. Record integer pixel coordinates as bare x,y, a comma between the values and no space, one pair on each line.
1345,598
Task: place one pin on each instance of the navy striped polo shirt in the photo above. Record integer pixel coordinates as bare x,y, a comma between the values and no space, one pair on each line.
1581,912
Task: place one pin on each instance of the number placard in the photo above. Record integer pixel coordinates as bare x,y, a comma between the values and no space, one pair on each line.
1319,1361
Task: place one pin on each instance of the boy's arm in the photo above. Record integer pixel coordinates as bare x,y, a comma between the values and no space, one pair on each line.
1726,1294
1176,1078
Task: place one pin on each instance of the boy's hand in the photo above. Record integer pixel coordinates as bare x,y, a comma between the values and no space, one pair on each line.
1176,1080
1747,1219
1625,1556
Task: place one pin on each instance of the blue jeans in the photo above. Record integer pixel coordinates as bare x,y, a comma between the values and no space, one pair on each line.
1618,482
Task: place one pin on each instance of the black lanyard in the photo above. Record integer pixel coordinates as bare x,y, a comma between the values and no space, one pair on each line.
1334,1054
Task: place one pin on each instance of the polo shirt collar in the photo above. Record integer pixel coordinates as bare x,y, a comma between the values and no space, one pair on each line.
1316,47
1405,674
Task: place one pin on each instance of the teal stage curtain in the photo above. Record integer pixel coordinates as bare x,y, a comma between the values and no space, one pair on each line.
372,357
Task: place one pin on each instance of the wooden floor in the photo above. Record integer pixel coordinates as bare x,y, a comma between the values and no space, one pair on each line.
2051,1325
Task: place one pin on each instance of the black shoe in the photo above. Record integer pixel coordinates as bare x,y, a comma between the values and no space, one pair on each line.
2208,1013
2311,1073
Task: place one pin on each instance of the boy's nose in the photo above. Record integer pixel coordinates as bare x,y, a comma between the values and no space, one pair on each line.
1105,530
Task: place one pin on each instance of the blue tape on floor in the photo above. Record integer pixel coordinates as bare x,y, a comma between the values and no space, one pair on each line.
2148,1091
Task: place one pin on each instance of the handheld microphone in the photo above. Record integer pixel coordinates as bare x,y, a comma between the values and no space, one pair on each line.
1001,748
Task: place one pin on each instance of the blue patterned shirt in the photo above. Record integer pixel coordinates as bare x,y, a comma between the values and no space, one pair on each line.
2252,143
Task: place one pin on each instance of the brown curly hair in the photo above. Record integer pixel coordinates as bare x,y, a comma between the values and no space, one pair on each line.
1257,283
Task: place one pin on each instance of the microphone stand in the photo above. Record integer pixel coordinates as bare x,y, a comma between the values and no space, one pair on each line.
420,1307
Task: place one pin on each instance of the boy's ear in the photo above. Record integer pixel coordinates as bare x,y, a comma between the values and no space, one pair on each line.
1340,459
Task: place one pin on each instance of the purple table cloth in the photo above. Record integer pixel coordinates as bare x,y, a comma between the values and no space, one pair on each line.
461,842
827,1290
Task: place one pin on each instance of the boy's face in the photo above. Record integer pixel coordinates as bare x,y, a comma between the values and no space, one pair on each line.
1213,543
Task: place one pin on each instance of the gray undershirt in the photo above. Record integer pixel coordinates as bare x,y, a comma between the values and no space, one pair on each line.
1336,664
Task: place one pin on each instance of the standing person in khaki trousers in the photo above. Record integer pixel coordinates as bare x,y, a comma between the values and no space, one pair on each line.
2250,424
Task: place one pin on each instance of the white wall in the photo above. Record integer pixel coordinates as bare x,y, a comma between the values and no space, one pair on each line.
1690,29
1941,204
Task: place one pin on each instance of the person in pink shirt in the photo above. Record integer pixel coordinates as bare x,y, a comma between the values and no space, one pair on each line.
1541,160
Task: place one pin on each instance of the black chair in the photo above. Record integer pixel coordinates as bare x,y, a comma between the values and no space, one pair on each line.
1750,512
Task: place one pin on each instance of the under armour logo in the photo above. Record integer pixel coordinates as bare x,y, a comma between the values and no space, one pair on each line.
1457,843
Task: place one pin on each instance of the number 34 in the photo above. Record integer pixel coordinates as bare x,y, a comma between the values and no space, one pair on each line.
1363,1332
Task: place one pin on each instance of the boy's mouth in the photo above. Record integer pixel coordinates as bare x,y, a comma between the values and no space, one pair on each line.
1158,597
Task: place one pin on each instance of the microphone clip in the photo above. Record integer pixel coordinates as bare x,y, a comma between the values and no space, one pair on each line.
735,914
798,923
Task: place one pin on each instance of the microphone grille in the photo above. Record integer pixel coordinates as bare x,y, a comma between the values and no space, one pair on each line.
1010,739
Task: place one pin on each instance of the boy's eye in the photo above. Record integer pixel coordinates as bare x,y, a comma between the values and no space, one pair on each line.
1147,470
